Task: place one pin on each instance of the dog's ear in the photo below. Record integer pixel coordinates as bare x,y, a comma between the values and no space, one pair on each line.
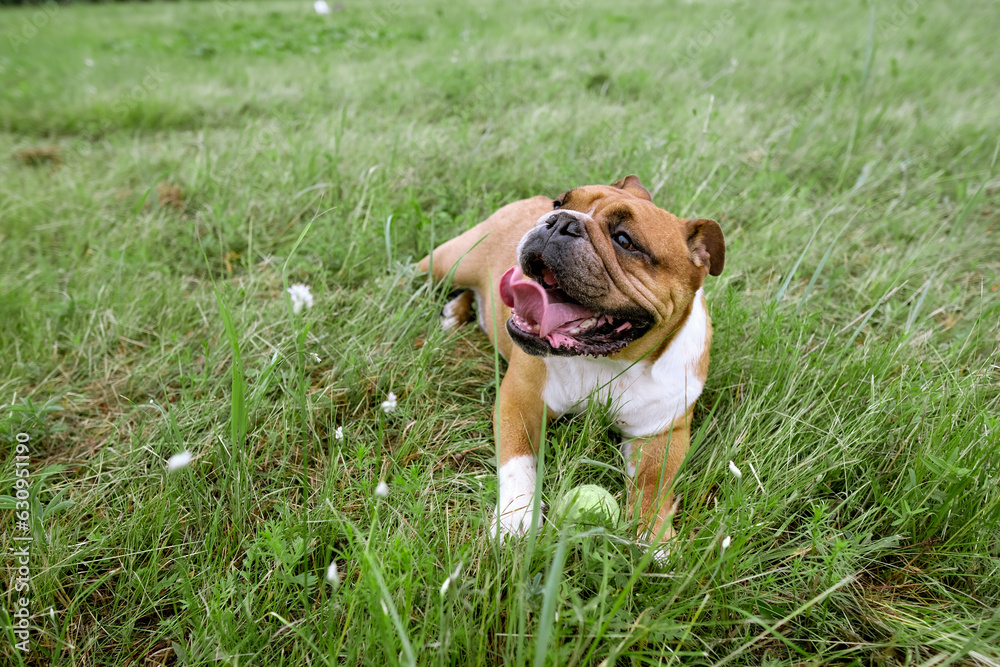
706,244
632,184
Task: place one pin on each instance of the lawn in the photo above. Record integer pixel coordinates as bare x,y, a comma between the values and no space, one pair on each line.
168,170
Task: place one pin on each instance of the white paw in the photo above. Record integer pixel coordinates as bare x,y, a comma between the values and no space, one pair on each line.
515,520
661,550
661,555
516,498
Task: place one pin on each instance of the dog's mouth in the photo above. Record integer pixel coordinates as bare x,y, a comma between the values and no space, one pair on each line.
547,320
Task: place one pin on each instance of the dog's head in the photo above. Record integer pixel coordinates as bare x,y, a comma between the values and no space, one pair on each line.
605,268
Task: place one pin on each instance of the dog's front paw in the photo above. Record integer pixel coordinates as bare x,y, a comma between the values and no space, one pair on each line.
513,519
661,548
661,554
516,498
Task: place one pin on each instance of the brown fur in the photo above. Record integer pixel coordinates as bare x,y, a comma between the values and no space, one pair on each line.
685,252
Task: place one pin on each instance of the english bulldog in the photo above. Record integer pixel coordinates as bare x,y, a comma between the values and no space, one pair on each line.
595,295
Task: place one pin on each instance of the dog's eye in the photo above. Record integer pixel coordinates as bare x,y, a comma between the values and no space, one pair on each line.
623,240
556,204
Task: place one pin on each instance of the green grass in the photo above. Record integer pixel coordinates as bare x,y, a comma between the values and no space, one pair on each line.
849,153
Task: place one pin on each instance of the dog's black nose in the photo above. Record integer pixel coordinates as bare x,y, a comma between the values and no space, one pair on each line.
565,223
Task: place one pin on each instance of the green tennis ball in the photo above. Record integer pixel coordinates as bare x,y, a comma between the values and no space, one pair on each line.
589,503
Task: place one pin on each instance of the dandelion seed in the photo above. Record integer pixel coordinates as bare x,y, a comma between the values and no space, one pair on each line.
332,575
301,297
736,471
315,357
389,404
819,478
726,542
178,461
339,433
88,62
382,490
321,7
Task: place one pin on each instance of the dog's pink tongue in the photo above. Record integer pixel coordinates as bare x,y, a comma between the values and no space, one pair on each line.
536,304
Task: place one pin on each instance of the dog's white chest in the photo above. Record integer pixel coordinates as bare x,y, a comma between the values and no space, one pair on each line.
645,397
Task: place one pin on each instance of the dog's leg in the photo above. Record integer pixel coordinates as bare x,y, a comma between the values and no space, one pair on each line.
462,257
518,427
652,464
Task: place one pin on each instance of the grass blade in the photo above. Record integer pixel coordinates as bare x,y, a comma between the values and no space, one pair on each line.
390,608
550,597
795,267
915,311
822,263
238,418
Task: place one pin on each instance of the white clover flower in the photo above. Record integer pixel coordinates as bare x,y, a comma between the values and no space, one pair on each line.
178,461
450,579
332,575
321,7
389,404
382,490
339,433
301,297
736,471
726,542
